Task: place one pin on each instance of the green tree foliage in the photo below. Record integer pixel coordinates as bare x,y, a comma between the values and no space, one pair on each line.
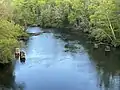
98,17
104,20
47,13
9,32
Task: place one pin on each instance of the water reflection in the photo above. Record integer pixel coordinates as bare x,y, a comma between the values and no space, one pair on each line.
107,63
71,45
61,61
108,67
50,67
7,79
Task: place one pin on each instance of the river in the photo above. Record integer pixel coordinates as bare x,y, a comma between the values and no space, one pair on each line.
56,60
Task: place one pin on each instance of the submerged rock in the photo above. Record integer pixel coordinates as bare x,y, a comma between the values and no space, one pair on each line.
96,46
107,49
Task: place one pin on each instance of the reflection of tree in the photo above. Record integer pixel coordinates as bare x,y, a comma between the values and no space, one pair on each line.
19,86
71,43
7,79
107,64
72,47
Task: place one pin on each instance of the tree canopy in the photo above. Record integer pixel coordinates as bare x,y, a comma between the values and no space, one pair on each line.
100,18
9,31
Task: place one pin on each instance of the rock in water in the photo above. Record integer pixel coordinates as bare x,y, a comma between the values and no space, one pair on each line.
107,49
96,46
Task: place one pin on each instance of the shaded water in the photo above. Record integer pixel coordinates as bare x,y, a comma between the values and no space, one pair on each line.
60,61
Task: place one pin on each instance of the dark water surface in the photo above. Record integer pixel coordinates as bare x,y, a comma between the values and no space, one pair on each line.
59,61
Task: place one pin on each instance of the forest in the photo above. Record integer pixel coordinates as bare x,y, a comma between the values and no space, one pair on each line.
99,18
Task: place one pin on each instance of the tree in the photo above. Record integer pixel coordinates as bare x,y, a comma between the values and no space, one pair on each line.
9,32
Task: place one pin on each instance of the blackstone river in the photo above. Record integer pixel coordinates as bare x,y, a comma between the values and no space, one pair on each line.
58,60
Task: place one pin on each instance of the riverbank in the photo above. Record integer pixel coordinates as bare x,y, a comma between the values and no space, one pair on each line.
74,33
90,17
63,60
78,31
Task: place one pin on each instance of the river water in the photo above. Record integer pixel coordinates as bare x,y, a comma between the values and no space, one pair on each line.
56,60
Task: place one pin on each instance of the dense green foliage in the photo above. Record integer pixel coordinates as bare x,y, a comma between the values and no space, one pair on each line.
47,13
100,18
9,32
